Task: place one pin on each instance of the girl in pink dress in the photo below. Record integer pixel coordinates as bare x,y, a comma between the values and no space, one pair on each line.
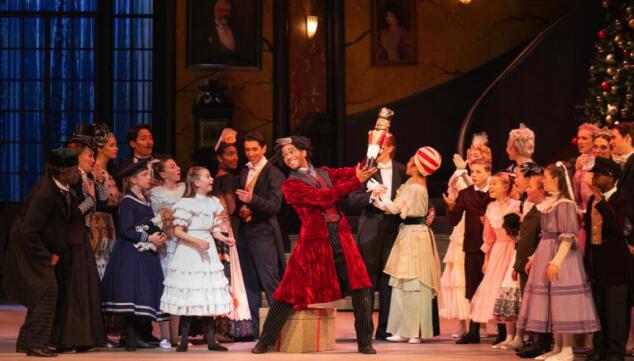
499,249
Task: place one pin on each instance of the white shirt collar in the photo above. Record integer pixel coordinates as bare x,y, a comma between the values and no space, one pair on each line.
486,187
61,186
259,165
609,193
386,165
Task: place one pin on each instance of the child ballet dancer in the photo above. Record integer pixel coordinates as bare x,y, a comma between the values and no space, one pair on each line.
454,304
499,249
195,284
133,281
470,205
507,303
557,297
413,264
169,191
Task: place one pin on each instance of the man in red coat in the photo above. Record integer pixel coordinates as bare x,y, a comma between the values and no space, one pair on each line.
325,265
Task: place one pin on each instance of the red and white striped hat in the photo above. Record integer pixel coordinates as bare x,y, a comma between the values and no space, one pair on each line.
427,160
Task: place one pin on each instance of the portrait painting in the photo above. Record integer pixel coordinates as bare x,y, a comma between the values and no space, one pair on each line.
394,32
209,131
223,34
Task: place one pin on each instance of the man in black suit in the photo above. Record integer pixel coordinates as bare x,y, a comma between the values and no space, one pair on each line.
259,238
377,230
473,202
608,261
36,243
623,144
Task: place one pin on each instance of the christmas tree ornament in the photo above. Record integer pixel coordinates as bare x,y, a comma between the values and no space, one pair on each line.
631,23
605,4
602,34
610,58
612,110
610,71
616,77
605,94
618,24
609,119
614,90
605,85
599,99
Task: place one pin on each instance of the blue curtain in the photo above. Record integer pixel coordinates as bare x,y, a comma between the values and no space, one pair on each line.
132,67
47,88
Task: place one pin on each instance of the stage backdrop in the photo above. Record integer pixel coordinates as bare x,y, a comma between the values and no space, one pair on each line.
541,91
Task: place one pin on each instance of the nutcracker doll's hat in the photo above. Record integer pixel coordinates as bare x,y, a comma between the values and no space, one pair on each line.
427,160
386,113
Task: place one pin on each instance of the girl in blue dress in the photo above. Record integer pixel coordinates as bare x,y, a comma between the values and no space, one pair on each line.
133,282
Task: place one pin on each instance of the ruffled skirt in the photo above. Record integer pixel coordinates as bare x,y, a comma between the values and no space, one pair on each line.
196,284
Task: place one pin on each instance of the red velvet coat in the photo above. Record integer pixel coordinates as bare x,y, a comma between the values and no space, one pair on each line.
310,276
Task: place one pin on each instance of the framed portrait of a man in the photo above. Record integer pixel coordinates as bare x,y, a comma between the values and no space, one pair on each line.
223,34
394,32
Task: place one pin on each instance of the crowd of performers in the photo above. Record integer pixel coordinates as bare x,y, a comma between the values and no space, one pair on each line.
100,252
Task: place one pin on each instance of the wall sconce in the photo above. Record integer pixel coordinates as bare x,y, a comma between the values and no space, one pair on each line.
311,26
465,2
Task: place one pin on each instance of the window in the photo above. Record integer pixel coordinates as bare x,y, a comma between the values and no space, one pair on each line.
48,79
132,67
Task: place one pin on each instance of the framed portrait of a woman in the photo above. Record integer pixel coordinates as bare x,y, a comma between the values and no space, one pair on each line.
394,32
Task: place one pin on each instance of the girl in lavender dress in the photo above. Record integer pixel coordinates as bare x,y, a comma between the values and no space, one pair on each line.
557,298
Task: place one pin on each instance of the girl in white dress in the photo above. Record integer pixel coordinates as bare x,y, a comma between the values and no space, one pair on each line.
163,198
195,284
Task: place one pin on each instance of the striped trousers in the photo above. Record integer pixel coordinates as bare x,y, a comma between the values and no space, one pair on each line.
38,324
361,301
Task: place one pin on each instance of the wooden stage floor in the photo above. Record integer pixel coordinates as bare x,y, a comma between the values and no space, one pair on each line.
441,348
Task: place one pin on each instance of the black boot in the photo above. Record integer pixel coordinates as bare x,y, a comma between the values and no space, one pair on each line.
275,320
362,309
131,338
184,330
501,334
212,345
539,347
473,336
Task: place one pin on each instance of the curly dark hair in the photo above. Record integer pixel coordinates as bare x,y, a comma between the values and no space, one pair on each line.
300,142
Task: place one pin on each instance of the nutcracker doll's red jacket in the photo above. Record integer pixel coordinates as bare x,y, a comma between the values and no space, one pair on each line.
311,276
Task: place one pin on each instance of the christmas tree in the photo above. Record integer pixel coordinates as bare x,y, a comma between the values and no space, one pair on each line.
611,83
